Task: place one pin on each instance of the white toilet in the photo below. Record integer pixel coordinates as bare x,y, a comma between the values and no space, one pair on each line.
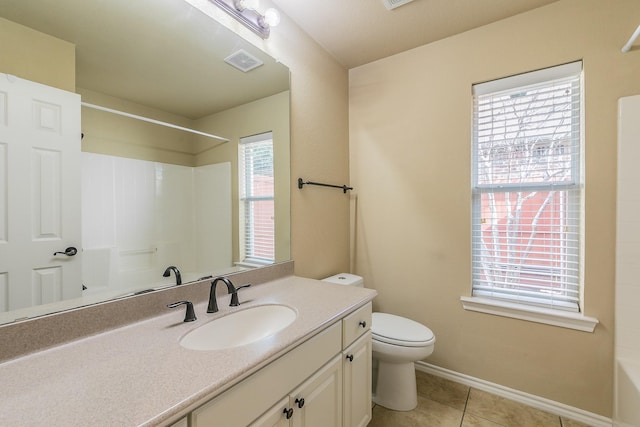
397,343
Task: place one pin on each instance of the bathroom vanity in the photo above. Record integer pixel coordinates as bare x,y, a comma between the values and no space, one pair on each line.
331,388
317,368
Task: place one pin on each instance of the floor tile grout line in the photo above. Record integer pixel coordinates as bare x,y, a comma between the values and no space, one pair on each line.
464,410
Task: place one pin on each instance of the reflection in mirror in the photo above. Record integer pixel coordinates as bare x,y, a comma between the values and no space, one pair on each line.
148,196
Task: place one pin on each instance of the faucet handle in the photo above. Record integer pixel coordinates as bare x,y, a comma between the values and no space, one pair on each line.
234,295
190,314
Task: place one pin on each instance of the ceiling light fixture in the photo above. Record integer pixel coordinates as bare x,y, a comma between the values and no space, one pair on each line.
245,11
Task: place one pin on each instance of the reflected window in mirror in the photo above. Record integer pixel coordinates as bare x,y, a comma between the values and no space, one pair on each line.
257,224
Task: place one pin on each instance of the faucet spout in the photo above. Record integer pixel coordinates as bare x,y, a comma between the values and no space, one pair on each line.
213,303
176,273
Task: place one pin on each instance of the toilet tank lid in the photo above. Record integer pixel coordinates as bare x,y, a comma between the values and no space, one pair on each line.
345,279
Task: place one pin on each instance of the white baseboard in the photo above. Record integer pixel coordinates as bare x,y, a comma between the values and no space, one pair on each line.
541,403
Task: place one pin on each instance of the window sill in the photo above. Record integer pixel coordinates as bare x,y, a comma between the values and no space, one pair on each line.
547,316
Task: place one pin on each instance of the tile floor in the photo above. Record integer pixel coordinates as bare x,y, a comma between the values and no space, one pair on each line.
443,403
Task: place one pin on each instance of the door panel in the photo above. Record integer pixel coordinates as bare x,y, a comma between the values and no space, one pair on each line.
39,193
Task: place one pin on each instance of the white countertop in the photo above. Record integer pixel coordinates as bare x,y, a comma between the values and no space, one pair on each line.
139,375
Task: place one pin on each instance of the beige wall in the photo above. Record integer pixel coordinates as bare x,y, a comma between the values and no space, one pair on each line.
319,151
319,144
38,57
116,135
269,114
410,121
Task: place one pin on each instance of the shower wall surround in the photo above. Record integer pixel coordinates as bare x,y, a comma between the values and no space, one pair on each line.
138,217
627,330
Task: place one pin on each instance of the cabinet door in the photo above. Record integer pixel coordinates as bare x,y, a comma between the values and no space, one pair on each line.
322,394
357,382
182,423
275,417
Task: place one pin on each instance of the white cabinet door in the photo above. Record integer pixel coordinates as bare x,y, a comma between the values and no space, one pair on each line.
357,382
322,394
182,423
315,403
276,416
39,193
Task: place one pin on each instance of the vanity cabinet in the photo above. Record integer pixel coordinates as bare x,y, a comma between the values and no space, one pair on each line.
356,344
317,402
331,372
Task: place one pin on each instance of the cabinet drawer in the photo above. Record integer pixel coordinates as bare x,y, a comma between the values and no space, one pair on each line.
356,324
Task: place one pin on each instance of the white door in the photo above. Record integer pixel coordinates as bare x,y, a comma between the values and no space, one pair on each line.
39,193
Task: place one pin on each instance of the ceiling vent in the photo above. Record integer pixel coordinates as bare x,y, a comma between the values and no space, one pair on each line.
392,4
243,60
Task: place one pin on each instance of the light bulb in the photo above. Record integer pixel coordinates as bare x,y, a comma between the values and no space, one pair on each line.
271,17
242,5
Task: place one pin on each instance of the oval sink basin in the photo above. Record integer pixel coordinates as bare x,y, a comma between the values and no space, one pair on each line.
239,328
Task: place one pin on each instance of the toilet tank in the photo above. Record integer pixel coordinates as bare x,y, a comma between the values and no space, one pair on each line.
346,279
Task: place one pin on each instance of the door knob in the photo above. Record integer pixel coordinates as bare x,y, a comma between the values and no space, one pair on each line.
70,251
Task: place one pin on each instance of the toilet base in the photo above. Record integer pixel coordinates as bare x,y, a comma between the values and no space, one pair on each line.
396,386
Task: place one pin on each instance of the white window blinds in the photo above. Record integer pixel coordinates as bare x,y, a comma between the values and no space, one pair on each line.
257,199
527,188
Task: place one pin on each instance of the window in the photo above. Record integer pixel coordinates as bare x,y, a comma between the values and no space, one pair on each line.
527,188
257,230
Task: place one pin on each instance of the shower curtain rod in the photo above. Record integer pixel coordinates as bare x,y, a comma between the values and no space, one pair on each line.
634,36
148,120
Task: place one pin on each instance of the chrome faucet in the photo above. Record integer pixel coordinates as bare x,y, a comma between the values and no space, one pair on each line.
232,290
176,272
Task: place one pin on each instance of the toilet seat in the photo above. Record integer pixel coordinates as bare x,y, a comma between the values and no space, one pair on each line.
397,330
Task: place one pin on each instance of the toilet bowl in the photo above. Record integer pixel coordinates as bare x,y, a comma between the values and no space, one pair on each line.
397,343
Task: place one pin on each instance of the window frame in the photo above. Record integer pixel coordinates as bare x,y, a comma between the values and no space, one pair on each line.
247,203
532,309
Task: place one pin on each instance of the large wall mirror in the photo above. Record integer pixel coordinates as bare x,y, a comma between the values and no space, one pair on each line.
150,195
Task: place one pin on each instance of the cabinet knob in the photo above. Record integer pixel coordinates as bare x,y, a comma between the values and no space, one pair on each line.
300,402
350,357
288,412
363,324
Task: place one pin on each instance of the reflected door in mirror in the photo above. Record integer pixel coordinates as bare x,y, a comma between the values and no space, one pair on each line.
39,193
